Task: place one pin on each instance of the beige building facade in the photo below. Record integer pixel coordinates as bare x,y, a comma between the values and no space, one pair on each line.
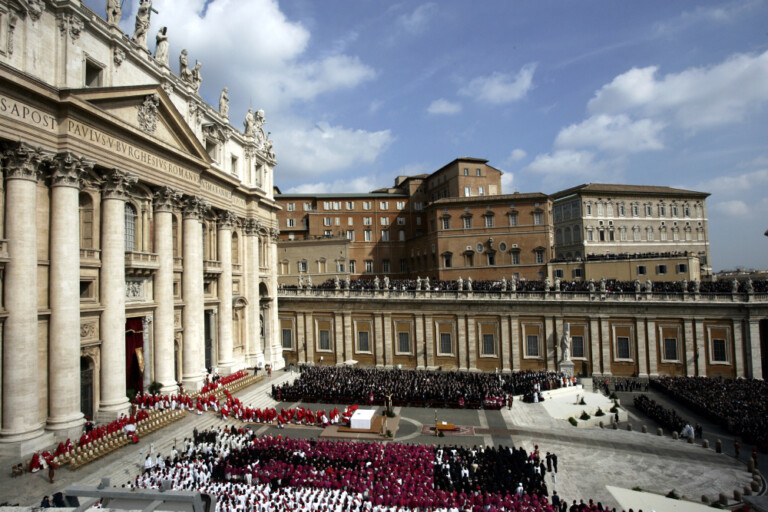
602,219
641,334
139,234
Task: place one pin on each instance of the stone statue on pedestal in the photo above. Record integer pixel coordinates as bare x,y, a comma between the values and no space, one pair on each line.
162,46
503,284
426,283
565,343
309,281
249,123
336,283
376,283
224,103
141,27
114,12
197,78
460,283
301,281
184,73
469,283
386,282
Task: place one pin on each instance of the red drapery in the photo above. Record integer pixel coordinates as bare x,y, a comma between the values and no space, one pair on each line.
134,338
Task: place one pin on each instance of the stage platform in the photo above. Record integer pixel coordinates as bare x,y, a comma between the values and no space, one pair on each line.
372,434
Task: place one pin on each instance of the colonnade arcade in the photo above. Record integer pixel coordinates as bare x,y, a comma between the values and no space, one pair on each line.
133,282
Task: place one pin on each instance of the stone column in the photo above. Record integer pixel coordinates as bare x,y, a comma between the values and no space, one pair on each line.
253,342
301,341
688,348
461,341
114,193
21,418
349,338
605,340
642,358
193,352
149,358
378,336
549,343
472,342
224,225
755,364
419,343
701,351
273,340
165,198
309,325
514,343
594,346
338,337
653,360
740,360
559,330
64,415
389,341
429,341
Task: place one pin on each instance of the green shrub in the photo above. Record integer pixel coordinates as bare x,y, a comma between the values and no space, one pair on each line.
637,488
584,415
599,412
573,421
390,414
155,387
389,433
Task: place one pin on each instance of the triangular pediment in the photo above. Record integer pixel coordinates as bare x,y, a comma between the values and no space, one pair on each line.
149,110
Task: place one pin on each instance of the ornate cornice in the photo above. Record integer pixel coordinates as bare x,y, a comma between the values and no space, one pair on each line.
194,207
116,183
226,219
68,170
166,198
23,162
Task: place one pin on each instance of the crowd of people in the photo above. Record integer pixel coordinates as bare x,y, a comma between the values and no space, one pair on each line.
374,386
269,473
740,405
528,285
667,418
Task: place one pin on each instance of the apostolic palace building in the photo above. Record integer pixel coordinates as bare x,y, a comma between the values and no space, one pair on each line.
138,225
139,235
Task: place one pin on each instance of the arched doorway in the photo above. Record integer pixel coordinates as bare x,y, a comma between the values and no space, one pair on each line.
86,386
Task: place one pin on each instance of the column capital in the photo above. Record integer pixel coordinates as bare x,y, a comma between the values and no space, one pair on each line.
67,170
252,227
274,233
226,219
117,183
165,198
194,207
22,161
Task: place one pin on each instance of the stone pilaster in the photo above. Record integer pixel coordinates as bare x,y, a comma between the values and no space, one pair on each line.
64,416
462,342
273,340
301,342
594,346
514,343
114,193
429,341
755,364
389,340
349,337
225,221
605,341
164,201
689,348
549,343
559,330
642,341
472,342
419,343
193,350
148,349
701,351
309,326
741,361
378,336
653,358
255,354
21,416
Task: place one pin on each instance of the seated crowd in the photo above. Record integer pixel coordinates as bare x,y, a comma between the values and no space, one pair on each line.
740,405
660,414
415,387
268,473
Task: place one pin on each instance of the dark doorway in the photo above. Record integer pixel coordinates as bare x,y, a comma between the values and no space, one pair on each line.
209,329
134,350
86,386
764,346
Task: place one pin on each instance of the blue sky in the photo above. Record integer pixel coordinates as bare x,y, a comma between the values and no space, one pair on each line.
554,94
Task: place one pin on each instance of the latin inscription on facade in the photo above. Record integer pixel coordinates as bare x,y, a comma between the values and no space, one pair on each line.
215,189
26,114
129,151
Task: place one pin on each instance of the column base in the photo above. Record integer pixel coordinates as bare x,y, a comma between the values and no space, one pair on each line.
169,389
225,368
22,444
192,383
63,428
111,411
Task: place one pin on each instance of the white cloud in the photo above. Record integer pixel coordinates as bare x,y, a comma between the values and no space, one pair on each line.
360,184
417,20
694,98
443,106
516,155
721,14
498,88
757,180
307,151
612,133
263,62
566,162
507,182
732,208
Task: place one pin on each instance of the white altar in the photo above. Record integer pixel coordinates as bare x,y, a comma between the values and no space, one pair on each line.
361,419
